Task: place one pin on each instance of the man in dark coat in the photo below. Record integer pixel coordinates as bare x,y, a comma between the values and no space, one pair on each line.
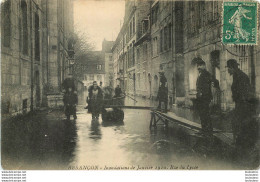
162,95
95,100
69,83
242,124
70,100
118,91
163,79
204,97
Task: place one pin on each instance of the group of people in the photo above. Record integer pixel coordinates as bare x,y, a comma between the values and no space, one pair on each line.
241,94
95,100
97,96
242,123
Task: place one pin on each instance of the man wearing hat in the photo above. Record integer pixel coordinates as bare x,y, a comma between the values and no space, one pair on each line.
242,113
204,97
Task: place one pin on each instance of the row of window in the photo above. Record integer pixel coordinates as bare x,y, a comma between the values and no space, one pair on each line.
165,44
131,56
199,16
166,38
91,77
144,48
131,27
155,12
23,28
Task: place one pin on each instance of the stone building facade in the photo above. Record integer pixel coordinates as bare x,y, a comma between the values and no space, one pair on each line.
119,59
169,35
26,57
95,69
124,49
202,38
109,65
60,48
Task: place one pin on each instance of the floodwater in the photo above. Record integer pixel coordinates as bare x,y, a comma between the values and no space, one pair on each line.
47,141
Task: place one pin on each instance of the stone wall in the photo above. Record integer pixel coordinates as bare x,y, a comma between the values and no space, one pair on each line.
19,76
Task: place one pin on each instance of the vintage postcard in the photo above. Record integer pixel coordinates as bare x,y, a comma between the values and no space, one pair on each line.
130,85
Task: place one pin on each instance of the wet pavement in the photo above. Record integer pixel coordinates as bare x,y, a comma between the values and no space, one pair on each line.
46,140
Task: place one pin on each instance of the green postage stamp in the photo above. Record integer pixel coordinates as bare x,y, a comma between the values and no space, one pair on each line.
240,23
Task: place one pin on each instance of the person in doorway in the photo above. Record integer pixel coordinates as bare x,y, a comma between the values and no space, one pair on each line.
162,95
243,125
70,100
204,97
69,83
95,100
163,79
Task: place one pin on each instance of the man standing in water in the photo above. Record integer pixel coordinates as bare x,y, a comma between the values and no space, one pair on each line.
162,95
243,125
204,97
95,100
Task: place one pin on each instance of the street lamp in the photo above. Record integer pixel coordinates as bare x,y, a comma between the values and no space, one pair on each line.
71,54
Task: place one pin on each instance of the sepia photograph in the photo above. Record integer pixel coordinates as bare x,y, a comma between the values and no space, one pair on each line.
130,85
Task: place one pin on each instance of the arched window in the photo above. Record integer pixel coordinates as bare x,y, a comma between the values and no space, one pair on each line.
6,20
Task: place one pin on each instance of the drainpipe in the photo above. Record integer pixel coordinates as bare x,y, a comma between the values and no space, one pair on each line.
32,60
20,43
58,46
47,44
173,59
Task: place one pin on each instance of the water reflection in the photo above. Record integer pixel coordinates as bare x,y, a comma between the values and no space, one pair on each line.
95,132
160,140
69,141
38,143
107,124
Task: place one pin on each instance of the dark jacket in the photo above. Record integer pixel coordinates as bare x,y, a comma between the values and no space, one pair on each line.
203,86
90,91
163,79
95,105
118,92
162,93
240,87
70,98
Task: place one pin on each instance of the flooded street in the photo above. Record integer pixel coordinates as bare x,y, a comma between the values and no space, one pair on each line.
46,140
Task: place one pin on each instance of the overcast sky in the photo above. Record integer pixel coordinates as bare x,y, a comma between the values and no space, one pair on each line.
99,19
